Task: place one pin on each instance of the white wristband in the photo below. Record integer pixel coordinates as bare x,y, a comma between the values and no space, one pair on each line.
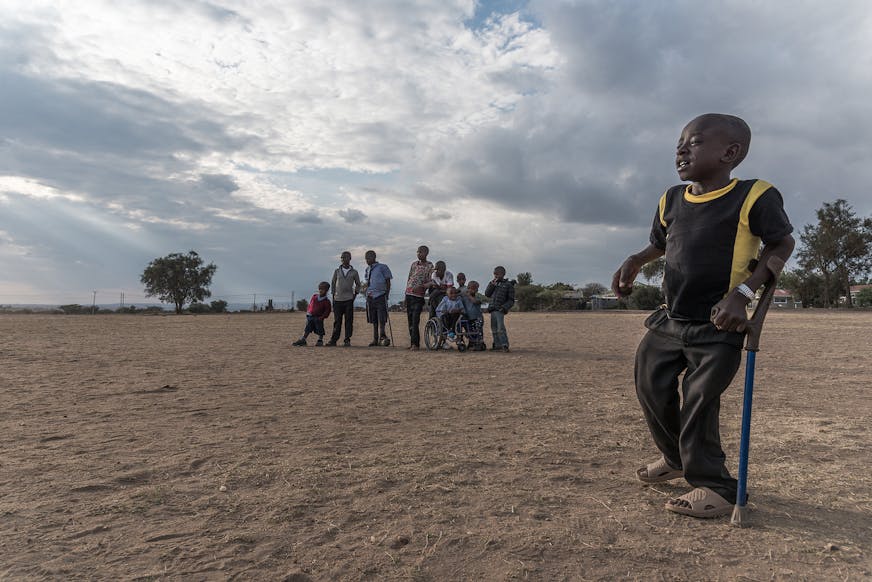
746,291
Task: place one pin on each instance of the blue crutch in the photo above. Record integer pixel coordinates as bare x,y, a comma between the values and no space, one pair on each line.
752,344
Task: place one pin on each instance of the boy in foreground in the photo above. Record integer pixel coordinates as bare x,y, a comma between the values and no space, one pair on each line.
710,232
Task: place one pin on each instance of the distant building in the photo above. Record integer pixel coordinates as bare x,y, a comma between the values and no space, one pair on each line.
604,301
784,299
855,290
571,300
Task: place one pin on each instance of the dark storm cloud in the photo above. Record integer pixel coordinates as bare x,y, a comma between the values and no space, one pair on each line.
431,213
104,139
219,182
102,118
564,173
596,145
87,118
352,215
116,144
310,217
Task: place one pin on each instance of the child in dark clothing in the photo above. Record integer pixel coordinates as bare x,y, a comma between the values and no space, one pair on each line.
501,293
318,311
709,231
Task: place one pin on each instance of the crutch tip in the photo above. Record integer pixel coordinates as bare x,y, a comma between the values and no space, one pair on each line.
740,516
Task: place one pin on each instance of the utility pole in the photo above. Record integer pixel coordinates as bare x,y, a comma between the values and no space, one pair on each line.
94,303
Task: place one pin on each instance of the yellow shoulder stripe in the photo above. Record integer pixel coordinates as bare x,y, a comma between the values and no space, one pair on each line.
757,190
747,246
662,207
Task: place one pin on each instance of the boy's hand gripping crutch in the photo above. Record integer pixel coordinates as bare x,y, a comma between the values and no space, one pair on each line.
752,344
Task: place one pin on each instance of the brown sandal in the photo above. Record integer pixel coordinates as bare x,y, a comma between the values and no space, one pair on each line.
658,472
701,502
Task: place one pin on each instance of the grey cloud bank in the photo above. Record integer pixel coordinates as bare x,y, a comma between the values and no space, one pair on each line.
270,139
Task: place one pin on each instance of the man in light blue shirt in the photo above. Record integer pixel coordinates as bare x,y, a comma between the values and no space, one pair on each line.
378,288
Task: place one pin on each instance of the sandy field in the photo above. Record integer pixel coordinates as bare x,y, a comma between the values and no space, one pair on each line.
207,448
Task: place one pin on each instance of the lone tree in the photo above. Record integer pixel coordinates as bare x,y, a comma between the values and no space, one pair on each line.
839,247
178,279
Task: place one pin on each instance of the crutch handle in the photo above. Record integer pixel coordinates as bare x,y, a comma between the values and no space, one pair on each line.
754,327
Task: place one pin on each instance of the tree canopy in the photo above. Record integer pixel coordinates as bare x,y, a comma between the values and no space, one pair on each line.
654,270
838,248
178,279
591,289
525,279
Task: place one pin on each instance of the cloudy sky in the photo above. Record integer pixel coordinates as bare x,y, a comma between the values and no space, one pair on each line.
269,136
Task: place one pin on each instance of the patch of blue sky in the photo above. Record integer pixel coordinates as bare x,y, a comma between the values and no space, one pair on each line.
485,9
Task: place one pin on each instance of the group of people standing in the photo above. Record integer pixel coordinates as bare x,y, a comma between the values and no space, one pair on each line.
428,285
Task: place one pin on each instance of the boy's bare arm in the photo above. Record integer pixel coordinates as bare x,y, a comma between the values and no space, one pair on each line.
730,314
622,281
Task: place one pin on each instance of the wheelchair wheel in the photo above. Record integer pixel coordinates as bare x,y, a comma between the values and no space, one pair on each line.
433,334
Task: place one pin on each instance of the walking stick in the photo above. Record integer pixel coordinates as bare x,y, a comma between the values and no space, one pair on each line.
390,328
752,344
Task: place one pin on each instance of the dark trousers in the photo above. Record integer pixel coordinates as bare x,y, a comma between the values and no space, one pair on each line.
498,329
476,328
449,321
687,429
434,300
343,310
414,308
314,324
377,315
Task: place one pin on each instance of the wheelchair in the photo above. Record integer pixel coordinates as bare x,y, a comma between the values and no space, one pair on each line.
465,334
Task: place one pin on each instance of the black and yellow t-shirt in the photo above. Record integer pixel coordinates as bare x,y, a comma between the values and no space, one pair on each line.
710,240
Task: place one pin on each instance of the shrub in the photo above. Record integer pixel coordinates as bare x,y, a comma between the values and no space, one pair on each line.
198,307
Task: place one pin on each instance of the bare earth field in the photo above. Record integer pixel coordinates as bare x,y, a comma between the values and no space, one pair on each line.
207,448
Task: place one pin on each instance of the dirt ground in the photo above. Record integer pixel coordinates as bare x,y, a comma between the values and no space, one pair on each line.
207,448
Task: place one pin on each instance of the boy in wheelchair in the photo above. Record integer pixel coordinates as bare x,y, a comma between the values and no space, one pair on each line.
448,325
450,309
458,320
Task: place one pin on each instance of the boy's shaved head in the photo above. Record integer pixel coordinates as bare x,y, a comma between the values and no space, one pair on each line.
734,128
